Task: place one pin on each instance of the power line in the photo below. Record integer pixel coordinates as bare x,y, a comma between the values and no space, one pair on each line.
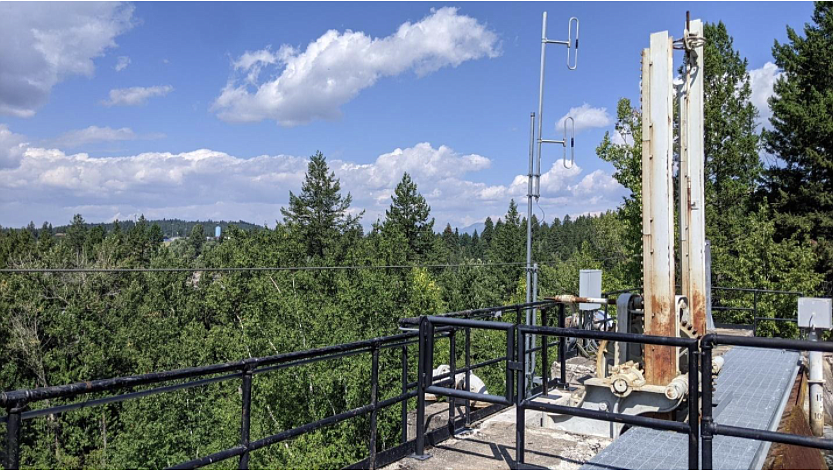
250,269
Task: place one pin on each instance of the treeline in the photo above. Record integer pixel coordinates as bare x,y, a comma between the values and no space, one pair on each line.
169,228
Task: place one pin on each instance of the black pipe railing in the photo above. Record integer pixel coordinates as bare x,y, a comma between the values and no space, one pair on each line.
515,392
17,403
709,429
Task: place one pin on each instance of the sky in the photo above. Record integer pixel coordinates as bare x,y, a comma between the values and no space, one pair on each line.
211,110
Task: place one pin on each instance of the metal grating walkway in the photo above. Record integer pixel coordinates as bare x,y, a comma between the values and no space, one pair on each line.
751,391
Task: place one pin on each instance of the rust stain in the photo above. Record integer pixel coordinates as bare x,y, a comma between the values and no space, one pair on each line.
795,421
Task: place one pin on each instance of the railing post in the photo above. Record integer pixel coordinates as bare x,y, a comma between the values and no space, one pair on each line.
404,391
755,304
246,416
452,360
545,364
562,347
706,422
422,378
520,416
693,408
374,400
13,429
510,353
468,375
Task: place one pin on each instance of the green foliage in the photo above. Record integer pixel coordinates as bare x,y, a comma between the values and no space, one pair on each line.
800,182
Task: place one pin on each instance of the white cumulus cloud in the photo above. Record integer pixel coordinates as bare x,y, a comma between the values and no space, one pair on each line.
586,117
762,81
52,184
333,69
121,63
44,43
93,134
135,96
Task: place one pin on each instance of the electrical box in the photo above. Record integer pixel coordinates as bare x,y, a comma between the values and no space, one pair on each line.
815,312
590,286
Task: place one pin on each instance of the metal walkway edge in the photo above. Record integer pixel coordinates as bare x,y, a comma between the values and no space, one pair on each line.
750,392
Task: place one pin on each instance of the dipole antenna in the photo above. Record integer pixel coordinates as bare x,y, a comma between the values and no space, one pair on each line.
534,186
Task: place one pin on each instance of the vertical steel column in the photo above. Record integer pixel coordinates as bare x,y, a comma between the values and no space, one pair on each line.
529,196
754,311
562,347
419,446
520,411
706,422
374,401
696,243
545,364
658,207
468,375
404,413
693,409
452,360
13,429
246,416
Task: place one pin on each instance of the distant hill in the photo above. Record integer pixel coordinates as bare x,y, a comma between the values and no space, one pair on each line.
478,226
173,227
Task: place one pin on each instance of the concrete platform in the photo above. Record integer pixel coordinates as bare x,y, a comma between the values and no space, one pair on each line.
491,445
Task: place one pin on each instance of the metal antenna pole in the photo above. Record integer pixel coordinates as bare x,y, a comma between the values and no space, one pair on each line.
529,196
534,187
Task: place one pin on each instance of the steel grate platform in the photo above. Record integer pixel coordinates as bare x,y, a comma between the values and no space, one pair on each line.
750,392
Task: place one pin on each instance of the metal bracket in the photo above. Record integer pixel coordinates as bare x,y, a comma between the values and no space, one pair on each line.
514,365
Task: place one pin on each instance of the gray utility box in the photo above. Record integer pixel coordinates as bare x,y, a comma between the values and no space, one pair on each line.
590,286
816,313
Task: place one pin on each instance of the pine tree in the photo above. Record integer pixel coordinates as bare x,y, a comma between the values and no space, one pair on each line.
319,215
800,184
732,166
408,213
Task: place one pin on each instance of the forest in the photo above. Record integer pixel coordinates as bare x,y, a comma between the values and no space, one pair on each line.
769,220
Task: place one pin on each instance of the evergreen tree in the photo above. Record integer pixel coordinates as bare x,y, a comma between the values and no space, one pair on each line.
800,184
409,214
732,167
319,214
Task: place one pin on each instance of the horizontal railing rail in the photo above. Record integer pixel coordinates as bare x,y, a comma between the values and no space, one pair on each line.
18,403
709,428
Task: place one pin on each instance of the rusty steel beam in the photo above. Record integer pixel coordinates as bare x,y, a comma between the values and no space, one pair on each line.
694,248
657,207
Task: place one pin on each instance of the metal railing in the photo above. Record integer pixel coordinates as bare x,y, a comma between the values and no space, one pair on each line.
709,428
431,329
17,403
516,394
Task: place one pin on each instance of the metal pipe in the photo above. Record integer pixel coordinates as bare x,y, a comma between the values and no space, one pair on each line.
537,183
693,409
706,423
419,447
404,412
246,416
570,299
451,392
637,420
545,364
562,348
13,429
529,196
374,402
533,339
468,375
520,416
816,389
778,437
452,360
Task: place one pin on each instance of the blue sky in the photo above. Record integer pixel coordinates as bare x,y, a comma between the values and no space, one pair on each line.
190,110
